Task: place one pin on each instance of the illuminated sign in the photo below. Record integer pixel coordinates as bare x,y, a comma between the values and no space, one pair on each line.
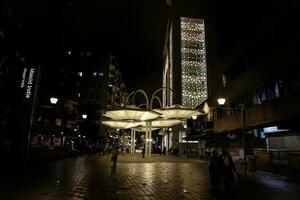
30,83
274,129
27,81
271,129
23,77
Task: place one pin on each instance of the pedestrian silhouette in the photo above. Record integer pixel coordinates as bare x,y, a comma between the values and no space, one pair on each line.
114,155
165,151
143,152
214,170
227,170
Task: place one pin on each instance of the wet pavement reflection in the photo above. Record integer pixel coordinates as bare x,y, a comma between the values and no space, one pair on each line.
93,177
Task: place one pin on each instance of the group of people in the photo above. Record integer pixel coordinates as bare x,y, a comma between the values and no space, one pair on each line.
222,170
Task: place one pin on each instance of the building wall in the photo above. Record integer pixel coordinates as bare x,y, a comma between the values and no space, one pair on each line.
287,141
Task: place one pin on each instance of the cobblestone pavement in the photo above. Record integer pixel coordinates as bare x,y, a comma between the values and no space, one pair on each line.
91,177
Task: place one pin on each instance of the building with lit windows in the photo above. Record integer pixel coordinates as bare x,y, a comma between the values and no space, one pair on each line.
190,79
86,83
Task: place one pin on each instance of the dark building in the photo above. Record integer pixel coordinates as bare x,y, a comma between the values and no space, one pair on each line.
85,84
19,78
257,72
250,57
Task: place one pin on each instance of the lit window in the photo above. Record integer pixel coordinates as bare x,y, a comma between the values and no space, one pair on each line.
79,74
69,52
101,74
88,54
94,74
78,94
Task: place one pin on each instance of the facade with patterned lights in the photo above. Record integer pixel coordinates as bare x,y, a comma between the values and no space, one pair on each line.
193,62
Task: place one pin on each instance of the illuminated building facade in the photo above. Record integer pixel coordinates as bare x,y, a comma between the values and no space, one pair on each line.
185,66
193,62
185,61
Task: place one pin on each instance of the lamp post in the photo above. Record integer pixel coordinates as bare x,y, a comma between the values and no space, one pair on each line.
221,102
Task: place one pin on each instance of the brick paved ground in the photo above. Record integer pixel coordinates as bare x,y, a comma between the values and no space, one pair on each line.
91,177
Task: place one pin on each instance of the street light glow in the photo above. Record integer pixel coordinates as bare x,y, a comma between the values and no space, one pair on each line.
53,100
221,101
84,116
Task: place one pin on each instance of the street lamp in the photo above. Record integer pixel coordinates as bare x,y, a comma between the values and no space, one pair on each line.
84,116
221,102
53,100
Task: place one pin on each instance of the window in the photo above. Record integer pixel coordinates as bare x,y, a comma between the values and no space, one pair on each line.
79,74
276,89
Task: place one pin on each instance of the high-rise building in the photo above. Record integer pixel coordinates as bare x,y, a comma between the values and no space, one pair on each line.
193,62
185,62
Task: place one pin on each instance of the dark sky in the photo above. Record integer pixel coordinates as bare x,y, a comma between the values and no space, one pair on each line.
133,30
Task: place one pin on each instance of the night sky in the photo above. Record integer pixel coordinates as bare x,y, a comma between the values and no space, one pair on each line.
132,30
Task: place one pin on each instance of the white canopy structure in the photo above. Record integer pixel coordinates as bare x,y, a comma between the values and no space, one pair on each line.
177,112
163,123
131,113
144,129
121,124
146,120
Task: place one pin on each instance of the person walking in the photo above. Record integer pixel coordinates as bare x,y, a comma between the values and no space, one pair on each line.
114,155
165,151
227,169
214,170
143,152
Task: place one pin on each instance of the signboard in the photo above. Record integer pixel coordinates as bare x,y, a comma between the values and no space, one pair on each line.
25,103
271,129
28,81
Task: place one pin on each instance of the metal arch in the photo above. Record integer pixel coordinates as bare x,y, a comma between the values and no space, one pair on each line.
153,95
127,98
158,99
146,97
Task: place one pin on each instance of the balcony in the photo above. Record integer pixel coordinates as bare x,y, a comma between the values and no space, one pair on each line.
259,115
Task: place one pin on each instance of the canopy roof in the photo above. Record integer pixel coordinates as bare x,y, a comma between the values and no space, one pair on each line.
143,128
131,113
178,112
121,124
163,123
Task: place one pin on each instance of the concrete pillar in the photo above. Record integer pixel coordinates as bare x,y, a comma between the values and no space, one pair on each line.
146,140
134,134
150,137
132,141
